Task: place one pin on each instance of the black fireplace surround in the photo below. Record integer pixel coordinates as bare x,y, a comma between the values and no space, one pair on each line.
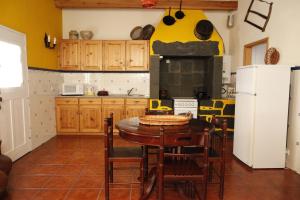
191,69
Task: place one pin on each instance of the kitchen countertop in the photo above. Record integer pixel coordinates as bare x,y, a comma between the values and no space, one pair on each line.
109,96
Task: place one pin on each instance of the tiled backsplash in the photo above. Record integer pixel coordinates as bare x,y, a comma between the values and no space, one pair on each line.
43,87
114,83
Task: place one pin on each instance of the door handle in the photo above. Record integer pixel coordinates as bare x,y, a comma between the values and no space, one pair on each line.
1,99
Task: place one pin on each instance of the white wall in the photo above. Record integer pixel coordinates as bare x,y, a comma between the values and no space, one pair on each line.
118,23
283,31
108,23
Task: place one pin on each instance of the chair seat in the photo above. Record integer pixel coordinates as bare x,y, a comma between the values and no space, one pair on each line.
182,168
127,152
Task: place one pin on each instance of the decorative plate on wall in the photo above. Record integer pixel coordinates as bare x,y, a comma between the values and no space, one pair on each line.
272,56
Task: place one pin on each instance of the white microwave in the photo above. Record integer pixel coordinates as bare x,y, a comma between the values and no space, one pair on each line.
72,89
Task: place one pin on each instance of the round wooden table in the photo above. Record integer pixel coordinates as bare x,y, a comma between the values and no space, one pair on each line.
131,130
147,135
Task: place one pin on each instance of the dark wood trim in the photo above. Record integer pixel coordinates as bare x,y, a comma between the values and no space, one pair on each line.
74,71
162,4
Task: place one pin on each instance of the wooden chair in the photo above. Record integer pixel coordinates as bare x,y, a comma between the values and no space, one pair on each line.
150,150
216,153
178,166
119,154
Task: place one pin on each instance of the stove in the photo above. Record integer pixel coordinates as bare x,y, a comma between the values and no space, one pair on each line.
185,105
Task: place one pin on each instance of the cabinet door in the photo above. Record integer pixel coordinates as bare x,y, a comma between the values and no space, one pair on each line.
70,55
137,55
135,111
114,55
91,55
117,110
67,119
90,119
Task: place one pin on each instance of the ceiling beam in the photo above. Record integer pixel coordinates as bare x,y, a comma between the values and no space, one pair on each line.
162,4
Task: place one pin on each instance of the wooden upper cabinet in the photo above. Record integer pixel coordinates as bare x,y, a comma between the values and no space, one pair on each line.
70,55
114,55
137,54
91,55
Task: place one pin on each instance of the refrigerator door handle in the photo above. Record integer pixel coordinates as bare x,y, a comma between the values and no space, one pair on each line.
248,93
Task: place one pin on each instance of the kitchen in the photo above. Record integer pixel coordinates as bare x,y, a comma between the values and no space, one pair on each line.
45,78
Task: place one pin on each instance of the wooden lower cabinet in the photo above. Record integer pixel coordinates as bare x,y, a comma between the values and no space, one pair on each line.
85,116
67,118
90,119
117,110
136,107
135,111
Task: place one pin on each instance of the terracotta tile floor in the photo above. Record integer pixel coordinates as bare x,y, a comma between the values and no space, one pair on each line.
69,167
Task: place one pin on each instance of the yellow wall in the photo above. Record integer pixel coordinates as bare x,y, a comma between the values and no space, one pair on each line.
34,18
183,30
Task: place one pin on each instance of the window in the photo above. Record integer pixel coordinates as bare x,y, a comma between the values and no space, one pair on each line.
10,65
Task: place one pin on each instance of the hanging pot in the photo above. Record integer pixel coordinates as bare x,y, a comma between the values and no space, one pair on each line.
204,30
169,20
179,14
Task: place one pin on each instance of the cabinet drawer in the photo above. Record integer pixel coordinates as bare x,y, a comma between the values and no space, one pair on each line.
69,101
136,101
90,101
113,101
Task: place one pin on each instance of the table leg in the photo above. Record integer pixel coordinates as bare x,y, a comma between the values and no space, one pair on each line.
145,155
150,183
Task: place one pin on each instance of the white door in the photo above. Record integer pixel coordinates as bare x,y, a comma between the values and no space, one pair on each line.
14,112
271,115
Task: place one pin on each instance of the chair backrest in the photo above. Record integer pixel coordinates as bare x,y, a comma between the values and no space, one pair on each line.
158,112
219,136
181,139
108,133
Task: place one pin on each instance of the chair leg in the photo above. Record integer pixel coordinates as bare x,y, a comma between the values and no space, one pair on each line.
222,174
142,173
210,171
111,172
106,184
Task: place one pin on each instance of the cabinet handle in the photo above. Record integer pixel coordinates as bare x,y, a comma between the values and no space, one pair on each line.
90,101
67,101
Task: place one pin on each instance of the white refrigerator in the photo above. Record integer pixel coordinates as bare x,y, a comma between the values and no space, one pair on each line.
293,138
261,114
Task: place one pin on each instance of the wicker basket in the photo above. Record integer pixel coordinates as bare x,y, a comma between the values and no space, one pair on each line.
165,119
